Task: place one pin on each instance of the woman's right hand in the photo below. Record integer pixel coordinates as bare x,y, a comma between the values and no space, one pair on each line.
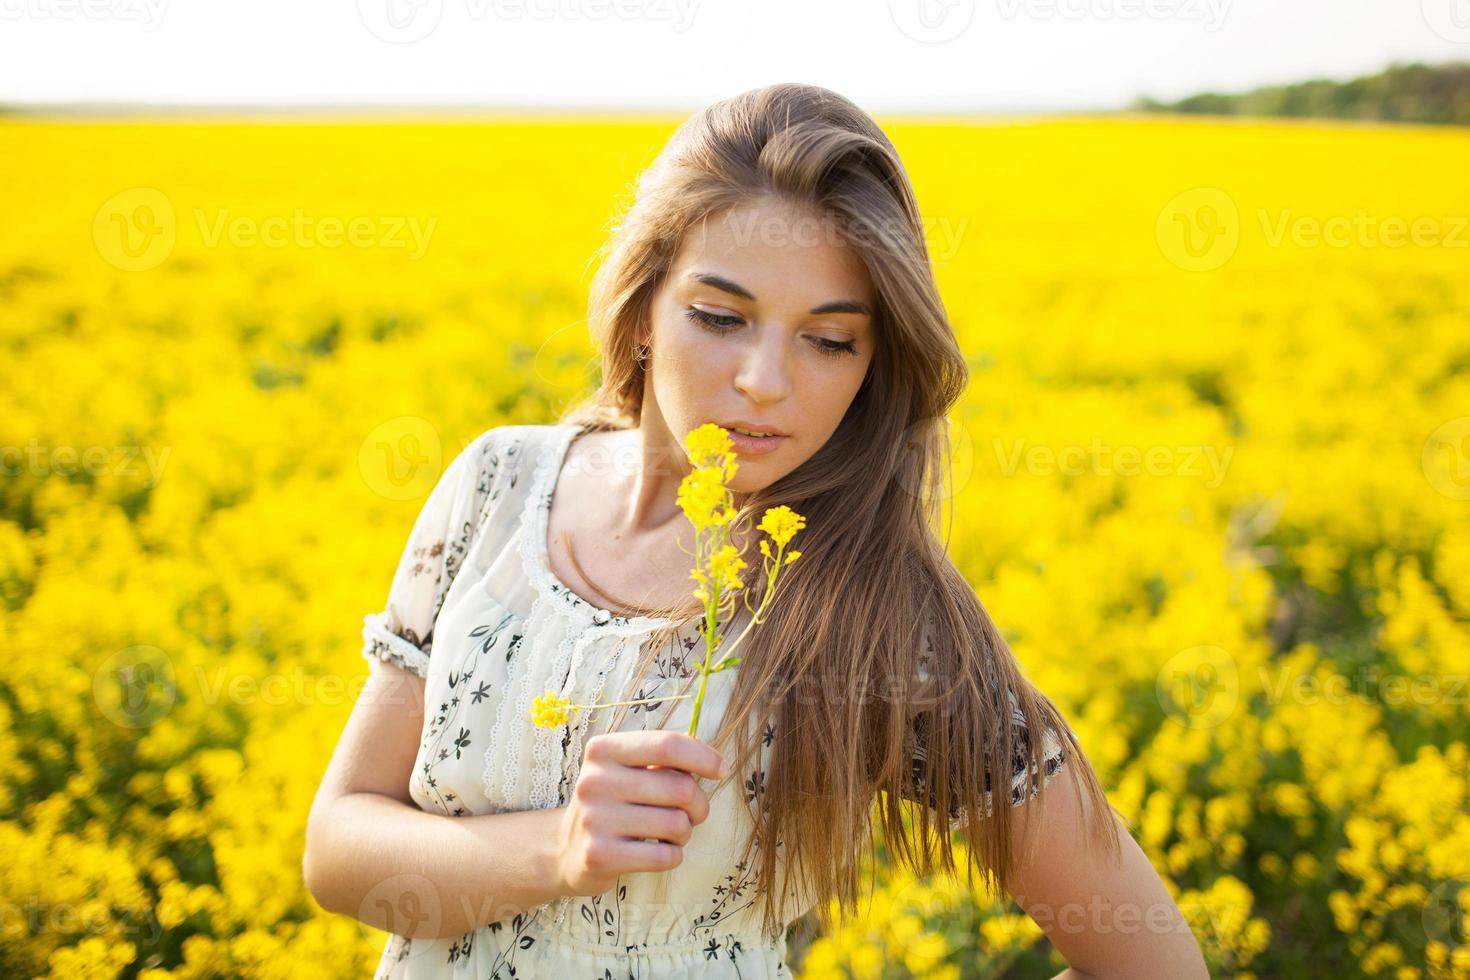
634,806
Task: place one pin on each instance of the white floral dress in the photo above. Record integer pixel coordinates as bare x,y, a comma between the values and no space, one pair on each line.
475,610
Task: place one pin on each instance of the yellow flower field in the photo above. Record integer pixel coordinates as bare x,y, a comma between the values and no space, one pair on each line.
1212,480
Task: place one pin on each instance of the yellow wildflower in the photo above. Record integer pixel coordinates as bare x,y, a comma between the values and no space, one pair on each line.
709,445
551,709
781,523
702,498
706,501
725,563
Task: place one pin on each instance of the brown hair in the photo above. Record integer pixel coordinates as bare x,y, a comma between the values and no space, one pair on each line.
836,667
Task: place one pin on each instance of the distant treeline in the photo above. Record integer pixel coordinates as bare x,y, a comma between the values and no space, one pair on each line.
1403,93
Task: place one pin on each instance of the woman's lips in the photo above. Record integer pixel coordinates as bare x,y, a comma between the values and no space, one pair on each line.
754,445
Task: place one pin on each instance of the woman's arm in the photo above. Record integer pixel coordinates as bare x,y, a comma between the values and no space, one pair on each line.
372,854
421,875
1109,918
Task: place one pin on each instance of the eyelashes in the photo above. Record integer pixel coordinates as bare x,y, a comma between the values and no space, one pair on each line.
720,324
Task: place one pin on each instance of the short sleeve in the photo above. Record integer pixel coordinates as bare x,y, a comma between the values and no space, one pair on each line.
1023,775
402,633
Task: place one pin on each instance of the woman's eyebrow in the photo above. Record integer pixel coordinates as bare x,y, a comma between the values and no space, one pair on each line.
734,288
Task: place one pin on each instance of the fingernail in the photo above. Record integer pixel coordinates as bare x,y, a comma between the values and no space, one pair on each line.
724,768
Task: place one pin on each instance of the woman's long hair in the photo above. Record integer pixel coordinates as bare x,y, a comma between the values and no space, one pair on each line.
836,666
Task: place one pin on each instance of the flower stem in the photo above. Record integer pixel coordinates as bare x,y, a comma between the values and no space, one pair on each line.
756,617
709,648
711,621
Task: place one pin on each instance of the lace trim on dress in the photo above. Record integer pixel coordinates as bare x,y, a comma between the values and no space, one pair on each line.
384,644
571,764
498,783
554,606
545,771
568,613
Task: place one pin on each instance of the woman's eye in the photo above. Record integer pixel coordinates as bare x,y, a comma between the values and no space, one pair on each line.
836,347
714,320
720,323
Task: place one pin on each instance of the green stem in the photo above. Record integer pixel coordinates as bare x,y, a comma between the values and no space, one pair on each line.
756,618
709,648
711,607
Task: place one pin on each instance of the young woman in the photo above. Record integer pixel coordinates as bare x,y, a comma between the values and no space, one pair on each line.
770,276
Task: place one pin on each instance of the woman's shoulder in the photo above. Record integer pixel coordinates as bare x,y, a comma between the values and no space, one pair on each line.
511,449
502,463
488,479
525,433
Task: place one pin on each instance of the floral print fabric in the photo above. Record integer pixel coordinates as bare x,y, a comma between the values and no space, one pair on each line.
475,610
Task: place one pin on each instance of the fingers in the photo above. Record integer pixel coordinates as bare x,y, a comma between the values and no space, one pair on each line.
636,822
637,801
657,747
615,855
668,788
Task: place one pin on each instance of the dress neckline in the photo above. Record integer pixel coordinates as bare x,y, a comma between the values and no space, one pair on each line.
535,521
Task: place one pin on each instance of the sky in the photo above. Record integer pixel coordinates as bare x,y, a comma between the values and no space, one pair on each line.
887,55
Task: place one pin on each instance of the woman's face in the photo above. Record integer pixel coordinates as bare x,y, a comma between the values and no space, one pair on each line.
765,319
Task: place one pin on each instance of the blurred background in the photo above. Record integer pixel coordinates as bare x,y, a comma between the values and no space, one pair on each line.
266,268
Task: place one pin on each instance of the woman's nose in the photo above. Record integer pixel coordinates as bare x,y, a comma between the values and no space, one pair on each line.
764,373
